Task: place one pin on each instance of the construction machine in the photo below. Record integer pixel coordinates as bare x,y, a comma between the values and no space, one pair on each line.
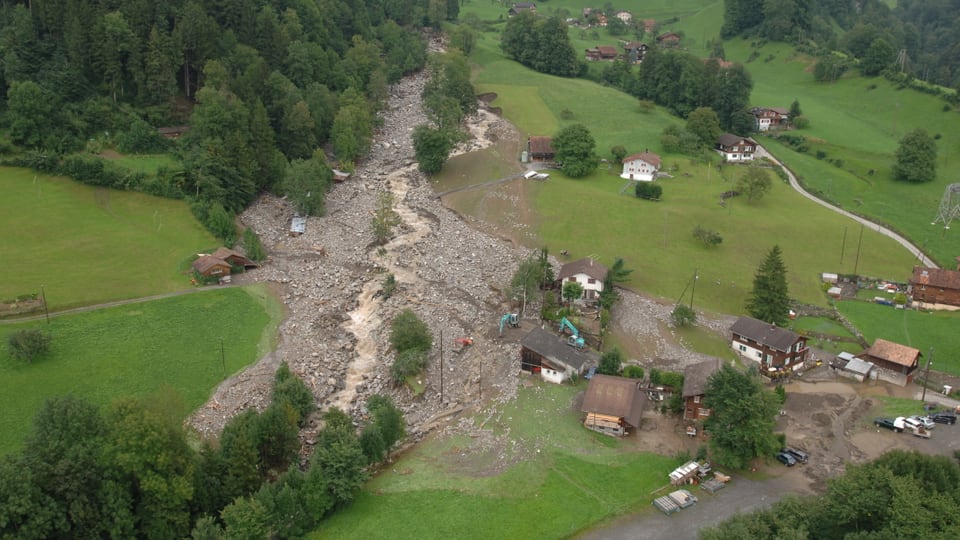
575,339
510,319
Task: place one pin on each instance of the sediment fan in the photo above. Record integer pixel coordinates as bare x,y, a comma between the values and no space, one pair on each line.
949,206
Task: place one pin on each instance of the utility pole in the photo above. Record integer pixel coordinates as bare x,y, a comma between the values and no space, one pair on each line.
43,295
843,246
480,380
441,367
223,360
856,263
926,376
696,276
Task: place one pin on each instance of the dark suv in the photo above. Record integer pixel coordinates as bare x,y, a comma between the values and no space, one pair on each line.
944,418
786,459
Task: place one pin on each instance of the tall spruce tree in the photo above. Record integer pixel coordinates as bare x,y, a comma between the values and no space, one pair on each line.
770,300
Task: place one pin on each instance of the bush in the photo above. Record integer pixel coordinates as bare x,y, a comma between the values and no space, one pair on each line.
649,191
683,315
708,237
409,333
389,286
28,345
407,364
252,245
610,362
633,372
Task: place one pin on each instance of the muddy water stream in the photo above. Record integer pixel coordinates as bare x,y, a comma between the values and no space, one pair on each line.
365,321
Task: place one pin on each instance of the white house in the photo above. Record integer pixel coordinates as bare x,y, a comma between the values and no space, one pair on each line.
642,166
736,148
587,273
624,16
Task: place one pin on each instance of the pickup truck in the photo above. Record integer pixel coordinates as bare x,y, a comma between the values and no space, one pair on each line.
889,423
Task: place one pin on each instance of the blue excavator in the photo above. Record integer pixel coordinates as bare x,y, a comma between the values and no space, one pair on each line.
575,339
510,319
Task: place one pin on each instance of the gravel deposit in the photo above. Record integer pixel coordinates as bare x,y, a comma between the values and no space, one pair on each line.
336,332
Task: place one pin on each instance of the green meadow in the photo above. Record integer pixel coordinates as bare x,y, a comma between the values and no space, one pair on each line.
917,329
85,245
545,476
173,344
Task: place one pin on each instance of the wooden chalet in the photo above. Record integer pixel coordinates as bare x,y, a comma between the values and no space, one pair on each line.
522,7
669,39
774,348
540,148
209,266
234,258
695,379
736,148
601,53
548,355
613,405
894,362
933,288
767,118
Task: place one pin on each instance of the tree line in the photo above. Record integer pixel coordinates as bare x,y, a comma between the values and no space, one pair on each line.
870,31
261,86
132,471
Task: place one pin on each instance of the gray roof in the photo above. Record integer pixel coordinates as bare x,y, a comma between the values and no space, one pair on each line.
695,376
616,396
729,139
765,333
583,266
554,348
859,366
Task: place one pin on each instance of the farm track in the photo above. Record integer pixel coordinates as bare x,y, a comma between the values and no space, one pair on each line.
911,247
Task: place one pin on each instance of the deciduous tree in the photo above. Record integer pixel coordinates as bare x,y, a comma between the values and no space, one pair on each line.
432,147
916,157
610,362
575,150
705,125
742,418
754,183
408,332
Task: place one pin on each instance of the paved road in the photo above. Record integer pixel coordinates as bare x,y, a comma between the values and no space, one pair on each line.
740,496
762,152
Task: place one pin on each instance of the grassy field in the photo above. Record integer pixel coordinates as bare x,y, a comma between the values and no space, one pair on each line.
921,330
564,479
859,122
86,245
138,349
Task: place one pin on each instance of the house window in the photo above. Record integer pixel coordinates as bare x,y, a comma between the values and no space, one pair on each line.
591,281
799,344
743,348
760,355
703,412
769,358
696,399
787,362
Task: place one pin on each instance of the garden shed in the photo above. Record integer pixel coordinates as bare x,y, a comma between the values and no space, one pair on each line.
613,404
545,354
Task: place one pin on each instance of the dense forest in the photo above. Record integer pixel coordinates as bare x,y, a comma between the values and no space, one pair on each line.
917,37
261,85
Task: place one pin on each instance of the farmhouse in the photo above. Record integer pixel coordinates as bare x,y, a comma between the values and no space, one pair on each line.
736,148
635,51
521,7
540,148
935,288
587,273
542,353
695,379
210,266
601,53
613,404
774,348
624,16
894,363
670,39
767,118
642,166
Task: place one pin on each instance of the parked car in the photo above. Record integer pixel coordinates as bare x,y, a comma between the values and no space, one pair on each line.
799,455
786,459
925,421
911,422
888,423
944,418
590,373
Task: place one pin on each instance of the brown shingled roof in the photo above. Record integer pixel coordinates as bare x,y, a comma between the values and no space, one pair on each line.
583,266
541,145
695,376
893,352
649,157
616,396
765,333
936,277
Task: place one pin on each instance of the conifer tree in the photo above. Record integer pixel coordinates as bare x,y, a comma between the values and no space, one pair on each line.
770,300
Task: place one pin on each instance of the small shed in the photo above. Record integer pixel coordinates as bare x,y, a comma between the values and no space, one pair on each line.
209,266
828,277
613,404
858,369
298,225
835,292
340,176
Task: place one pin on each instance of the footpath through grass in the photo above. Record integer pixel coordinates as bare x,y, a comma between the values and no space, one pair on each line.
85,245
564,478
171,344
